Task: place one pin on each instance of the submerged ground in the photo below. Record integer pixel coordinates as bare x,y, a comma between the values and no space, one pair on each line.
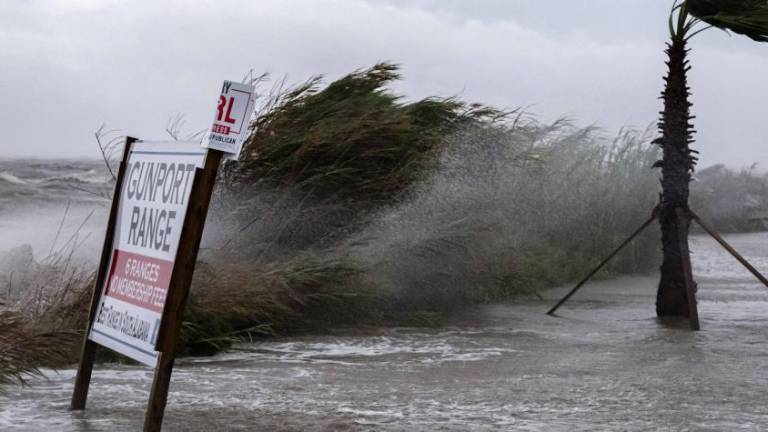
604,364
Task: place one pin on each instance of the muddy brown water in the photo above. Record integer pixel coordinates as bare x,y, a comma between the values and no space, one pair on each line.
604,364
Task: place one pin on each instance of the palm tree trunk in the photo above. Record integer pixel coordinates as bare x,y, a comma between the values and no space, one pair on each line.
677,166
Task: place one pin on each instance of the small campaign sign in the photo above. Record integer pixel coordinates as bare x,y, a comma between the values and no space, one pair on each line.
230,122
151,210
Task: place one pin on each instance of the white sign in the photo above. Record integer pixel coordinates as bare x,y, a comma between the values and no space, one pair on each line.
153,203
230,122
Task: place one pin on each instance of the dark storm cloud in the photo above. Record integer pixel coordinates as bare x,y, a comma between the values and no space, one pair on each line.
68,66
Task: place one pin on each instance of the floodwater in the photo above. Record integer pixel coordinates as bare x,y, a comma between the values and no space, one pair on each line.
604,364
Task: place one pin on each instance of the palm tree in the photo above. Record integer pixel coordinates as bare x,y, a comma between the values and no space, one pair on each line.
688,18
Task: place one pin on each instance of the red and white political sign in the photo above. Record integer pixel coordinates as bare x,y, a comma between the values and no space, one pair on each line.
230,121
153,203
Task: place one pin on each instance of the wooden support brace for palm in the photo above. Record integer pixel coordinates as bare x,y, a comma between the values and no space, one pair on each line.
691,294
711,231
603,263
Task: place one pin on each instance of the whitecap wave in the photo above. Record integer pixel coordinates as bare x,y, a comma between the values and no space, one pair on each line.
10,178
90,177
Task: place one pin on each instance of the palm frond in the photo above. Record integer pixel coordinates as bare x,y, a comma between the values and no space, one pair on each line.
746,17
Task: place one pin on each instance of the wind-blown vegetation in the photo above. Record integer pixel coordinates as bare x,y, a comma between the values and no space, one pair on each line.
731,200
505,209
354,139
322,159
474,206
354,206
25,348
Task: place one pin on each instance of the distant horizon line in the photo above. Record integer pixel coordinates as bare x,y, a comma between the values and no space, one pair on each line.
21,158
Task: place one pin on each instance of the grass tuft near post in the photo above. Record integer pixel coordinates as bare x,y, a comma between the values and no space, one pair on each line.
24,348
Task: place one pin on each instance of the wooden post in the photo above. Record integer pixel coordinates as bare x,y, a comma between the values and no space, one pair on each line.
693,311
178,291
88,351
711,231
603,263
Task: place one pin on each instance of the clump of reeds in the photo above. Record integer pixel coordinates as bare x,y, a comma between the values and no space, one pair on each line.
353,206
45,311
237,301
25,348
731,200
56,294
321,159
354,138
512,209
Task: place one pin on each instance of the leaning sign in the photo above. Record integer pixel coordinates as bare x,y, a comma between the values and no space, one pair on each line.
151,210
150,248
230,122
156,221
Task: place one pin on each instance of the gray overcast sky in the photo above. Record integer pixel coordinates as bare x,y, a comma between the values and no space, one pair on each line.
67,66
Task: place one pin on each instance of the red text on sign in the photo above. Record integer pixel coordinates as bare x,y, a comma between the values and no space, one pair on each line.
225,103
139,280
220,129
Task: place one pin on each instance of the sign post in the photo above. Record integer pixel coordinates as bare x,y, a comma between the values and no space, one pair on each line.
88,352
160,203
153,236
186,257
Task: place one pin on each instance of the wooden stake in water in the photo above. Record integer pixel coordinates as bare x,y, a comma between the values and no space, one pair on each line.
711,231
603,263
88,352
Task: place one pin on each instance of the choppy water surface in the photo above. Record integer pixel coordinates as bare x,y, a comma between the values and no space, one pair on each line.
40,198
604,364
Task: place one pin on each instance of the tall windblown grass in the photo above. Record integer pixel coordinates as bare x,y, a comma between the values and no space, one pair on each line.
43,309
25,348
354,138
731,200
503,209
354,206
41,320
319,160
513,209
241,301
